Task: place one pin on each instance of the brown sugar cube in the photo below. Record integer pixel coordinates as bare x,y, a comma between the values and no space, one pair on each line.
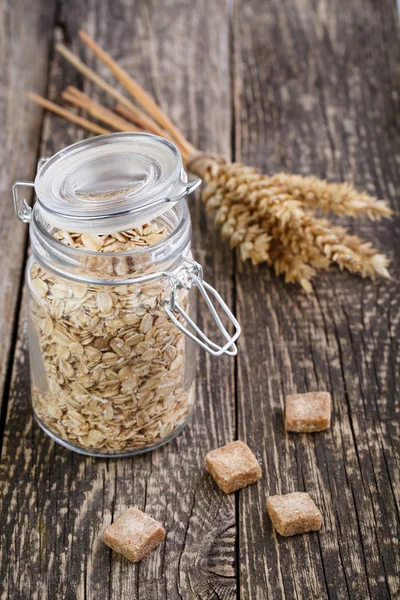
134,534
233,466
294,513
306,413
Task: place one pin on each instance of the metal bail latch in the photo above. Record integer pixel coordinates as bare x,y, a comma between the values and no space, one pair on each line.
22,208
170,305
189,187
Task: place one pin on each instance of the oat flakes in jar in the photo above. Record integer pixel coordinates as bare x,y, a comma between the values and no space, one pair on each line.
112,285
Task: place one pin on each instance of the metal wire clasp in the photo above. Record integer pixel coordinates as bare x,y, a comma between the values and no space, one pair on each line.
188,188
195,273
22,208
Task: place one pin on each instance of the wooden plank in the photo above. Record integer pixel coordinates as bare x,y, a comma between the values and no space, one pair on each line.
58,503
315,93
23,34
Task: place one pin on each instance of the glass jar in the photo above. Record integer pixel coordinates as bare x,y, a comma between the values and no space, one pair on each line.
112,286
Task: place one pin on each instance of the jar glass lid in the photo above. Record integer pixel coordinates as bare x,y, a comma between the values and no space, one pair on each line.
111,183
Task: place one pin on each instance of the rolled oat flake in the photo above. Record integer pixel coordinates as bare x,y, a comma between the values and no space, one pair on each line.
112,289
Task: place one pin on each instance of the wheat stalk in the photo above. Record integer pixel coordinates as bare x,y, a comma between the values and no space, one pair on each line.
340,198
270,224
267,218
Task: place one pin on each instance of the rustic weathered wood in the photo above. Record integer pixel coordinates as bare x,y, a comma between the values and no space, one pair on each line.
23,35
58,503
316,93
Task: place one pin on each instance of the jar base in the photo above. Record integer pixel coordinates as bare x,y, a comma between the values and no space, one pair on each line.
99,454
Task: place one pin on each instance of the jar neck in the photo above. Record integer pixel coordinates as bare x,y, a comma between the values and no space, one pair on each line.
113,268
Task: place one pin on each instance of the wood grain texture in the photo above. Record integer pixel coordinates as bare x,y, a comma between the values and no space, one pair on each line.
59,503
316,93
22,35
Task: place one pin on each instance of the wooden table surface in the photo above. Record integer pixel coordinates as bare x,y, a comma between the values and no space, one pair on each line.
303,85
